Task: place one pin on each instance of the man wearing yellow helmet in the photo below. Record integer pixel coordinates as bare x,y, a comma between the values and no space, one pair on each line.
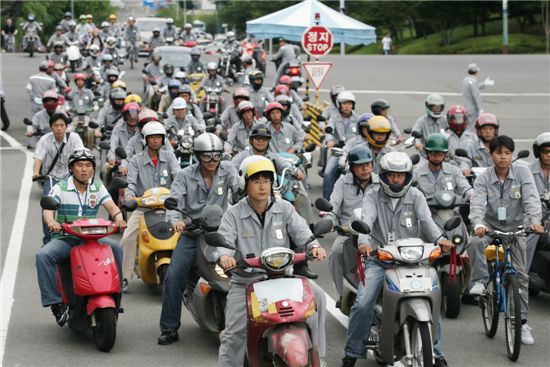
114,27
132,98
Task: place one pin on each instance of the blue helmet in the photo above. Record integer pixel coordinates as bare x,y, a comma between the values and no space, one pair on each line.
30,17
363,120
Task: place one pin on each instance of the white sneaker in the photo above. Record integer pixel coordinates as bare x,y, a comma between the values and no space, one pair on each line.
526,337
477,289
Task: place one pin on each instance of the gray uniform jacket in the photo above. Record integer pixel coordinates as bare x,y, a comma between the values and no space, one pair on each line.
518,199
114,30
91,62
143,175
192,194
173,125
279,163
131,33
57,58
238,137
543,186
120,137
286,54
55,38
427,125
217,82
411,217
394,129
347,196
472,98
153,70
192,109
285,138
343,128
465,141
37,85
47,148
155,42
135,146
108,117
169,32
229,118
81,98
479,154
195,67
260,98
450,178
241,227
40,122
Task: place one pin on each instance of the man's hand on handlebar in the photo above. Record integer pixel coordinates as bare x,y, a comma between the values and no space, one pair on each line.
318,253
446,245
537,228
179,227
365,249
54,227
480,231
227,262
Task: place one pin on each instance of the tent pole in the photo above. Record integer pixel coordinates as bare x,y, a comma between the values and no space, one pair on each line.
342,44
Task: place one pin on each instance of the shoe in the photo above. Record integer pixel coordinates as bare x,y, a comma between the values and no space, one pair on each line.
124,285
303,270
477,289
526,337
5,125
348,362
440,362
321,172
61,313
338,303
168,337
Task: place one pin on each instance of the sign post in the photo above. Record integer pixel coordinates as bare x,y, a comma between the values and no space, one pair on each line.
317,41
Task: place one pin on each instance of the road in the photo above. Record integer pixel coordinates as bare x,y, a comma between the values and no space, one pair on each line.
520,98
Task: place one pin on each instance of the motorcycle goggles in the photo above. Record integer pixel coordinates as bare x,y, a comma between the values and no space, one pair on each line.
207,157
82,155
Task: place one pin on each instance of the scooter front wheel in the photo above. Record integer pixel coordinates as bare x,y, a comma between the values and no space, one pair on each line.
105,329
421,345
162,270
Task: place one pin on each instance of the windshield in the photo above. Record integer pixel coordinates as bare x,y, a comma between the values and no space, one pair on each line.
175,58
149,25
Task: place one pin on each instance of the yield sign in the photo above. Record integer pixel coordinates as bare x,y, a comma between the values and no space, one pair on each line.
317,72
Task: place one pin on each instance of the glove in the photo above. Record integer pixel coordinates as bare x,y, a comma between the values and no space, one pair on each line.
489,82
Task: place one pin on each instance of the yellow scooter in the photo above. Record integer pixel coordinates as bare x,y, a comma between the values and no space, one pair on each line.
156,239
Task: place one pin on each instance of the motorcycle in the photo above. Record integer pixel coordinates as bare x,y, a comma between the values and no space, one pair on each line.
408,309
212,101
206,291
31,40
454,271
278,307
182,142
93,296
74,57
539,272
169,41
226,68
156,239
257,52
85,127
9,39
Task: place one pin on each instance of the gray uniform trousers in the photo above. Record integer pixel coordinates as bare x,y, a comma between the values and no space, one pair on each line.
233,348
480,273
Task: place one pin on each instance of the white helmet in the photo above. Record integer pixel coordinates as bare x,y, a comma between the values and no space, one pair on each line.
345,96
230,36
180,75
153,128
252,165
543,140
207,142
187,26
473,68
395,162
179,104
212,66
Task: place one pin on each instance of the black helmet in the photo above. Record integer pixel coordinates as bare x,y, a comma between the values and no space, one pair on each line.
260,129
83,154
359,155
168,69
379,105
256,74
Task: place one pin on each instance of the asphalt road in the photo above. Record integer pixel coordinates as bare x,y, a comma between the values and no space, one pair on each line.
520,98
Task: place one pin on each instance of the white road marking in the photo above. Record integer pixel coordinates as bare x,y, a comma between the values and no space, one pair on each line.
424,93
9,272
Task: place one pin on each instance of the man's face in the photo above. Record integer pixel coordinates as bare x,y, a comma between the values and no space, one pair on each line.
208,164
396,178
80,83
260,143
248,116
545,156
180,113
385,112
83,170
502,157
259,188
59,128
362,171
155,141
379,137
185,96
346,107
132,121
275,116
488,132
436,158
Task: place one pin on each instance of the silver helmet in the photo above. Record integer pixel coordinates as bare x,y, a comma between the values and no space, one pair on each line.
207,142
543,140
395,162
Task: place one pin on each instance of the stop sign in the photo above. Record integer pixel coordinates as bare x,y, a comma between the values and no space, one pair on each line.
317,41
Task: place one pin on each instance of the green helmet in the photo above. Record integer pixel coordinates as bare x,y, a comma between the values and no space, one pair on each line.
437,142
359,155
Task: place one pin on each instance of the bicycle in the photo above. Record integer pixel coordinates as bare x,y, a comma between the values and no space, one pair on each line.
502,292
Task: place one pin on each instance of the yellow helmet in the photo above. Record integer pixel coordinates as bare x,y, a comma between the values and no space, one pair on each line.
132,98
112,17
381,125
119,84
89,16
252,165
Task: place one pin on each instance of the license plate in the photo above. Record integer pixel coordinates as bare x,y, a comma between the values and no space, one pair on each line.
416,285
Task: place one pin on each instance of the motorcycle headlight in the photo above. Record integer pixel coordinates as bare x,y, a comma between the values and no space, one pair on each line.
163,197
277,258
149,200
186,142
411,253
92,230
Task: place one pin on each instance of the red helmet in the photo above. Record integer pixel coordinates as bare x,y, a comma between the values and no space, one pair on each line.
272,106
241,93
146,115
285,80
457,118
80,76
487,119
281,89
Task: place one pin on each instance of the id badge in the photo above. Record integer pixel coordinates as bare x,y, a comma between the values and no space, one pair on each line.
450,186
279,234
287,140
354,129
219,191
547,195
162,180
391,237
501,213
408,222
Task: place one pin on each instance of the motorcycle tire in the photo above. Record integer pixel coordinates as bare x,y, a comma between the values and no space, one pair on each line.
105,329
489,309
451,292
420,333
73,66
161,272
512,318
31,49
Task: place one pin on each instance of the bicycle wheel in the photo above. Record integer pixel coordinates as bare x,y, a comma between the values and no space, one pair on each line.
512,318
489,309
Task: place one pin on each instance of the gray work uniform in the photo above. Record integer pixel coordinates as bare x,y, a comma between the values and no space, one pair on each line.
472,98
229,118
108,117
238,137
91,62
37,85
155,42
346,196
543,188
343,128
173,125
195,67
81,99
287,55
260,98
41,122
115,30
295,117
120,137
169,31
131,34
208,82
329,113
60,58
465,141
153,70
184,36
517,200
135,146
192,109
241,228
285,138
55,38
47,149
479,154
427,125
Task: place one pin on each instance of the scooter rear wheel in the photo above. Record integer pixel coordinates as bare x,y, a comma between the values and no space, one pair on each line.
450,302
105,329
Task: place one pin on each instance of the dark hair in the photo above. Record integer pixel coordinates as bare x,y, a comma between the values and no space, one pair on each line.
501,141
59,116
262,174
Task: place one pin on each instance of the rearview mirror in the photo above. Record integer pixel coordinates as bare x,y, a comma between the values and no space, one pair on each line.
324,226
217,240
461,153
118,183
407,130
120,152
360,227
452,223
171,203
104,144
415,158
323,205
311,147
417,134
49,203
522,154
130,205
93,125
328,130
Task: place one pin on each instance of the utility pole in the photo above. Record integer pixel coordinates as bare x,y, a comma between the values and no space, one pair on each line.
342,44
72,9
505,48
184,12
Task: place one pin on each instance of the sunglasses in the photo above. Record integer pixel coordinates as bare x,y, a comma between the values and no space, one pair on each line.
208,157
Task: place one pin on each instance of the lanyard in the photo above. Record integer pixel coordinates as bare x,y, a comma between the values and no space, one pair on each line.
501,184
80,203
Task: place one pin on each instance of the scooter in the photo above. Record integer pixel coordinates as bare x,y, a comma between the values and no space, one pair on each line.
156,239
182,142
226,68
85,127
206,291
89,282
539,272
31,41
277,332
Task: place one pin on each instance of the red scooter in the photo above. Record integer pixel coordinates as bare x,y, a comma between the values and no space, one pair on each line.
277,308
90,282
